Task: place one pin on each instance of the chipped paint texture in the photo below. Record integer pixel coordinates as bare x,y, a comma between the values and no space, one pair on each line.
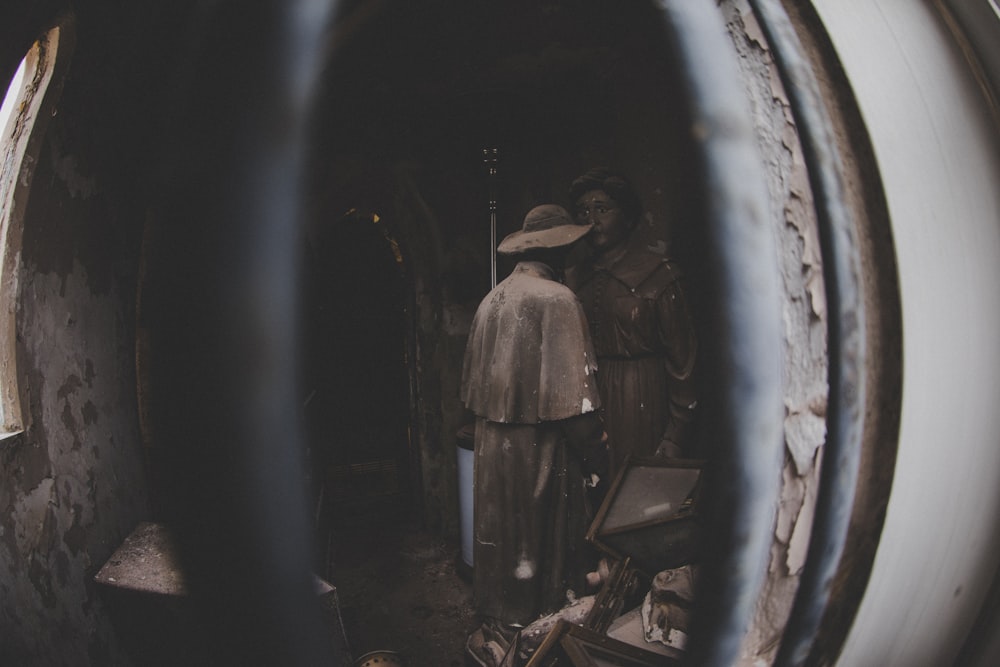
438,345
804,316
72,483
68,171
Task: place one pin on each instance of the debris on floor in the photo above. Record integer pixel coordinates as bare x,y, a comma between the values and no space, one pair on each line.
400,591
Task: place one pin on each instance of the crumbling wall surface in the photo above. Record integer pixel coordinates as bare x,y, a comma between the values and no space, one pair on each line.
805,325
72,484
437,349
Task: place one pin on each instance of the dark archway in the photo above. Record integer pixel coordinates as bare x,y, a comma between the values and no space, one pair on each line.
356,374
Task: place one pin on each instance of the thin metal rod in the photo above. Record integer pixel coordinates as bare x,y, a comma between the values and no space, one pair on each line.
846,341
491,157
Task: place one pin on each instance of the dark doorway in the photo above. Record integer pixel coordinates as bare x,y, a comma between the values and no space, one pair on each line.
397,585
357,380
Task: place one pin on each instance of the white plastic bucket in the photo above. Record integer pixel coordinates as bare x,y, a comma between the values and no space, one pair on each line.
466,457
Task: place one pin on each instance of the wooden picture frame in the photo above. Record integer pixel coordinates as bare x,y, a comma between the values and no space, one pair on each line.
650,514
569,645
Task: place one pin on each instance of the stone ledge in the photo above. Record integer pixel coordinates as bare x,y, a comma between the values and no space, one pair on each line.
145,562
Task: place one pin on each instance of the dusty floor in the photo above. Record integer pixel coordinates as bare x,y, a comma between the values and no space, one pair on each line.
400,590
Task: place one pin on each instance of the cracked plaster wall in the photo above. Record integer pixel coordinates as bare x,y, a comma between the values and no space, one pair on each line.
72,484
805,324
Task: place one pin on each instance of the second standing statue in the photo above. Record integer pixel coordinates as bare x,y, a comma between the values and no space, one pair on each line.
639,322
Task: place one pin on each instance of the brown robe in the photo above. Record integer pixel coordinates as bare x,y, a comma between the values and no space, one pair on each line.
529,378
646,348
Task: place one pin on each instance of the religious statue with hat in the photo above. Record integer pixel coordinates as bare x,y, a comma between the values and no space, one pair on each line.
529,378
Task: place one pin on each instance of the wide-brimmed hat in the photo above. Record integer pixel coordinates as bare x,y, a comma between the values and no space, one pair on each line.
545,226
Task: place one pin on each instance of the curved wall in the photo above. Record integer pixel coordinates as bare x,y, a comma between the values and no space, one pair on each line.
939,158
72,484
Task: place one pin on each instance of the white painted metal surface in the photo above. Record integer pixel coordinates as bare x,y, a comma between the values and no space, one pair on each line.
466,501
939,156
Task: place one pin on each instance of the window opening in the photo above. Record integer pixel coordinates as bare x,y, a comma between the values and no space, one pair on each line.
10,99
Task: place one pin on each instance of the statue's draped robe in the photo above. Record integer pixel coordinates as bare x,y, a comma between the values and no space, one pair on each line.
646,346
529,378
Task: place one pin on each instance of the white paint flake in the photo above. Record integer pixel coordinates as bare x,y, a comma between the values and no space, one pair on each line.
525,570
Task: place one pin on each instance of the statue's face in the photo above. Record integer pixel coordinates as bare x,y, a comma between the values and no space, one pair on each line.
610,226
